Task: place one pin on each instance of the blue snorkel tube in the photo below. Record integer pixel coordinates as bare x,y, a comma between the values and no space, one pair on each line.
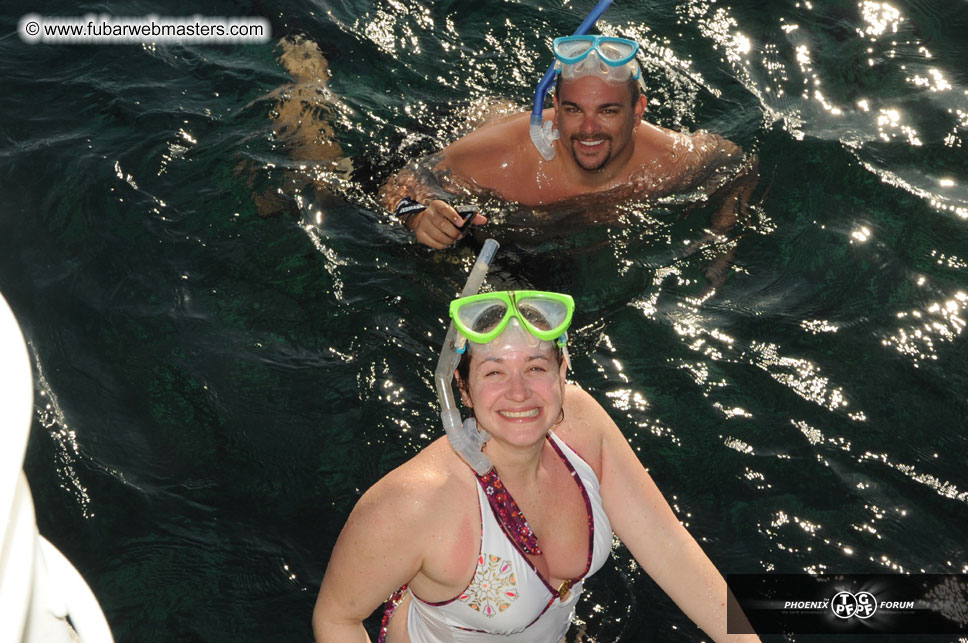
543,134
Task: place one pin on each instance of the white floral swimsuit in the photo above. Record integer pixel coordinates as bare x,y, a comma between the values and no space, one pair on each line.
507,597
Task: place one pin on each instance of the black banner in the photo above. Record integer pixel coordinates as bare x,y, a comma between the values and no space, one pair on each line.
848,604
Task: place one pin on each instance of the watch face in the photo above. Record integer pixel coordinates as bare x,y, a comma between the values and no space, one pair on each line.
467,212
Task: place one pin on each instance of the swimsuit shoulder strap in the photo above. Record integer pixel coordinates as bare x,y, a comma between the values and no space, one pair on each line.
507,512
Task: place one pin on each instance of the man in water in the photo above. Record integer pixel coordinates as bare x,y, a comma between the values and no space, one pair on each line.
603,148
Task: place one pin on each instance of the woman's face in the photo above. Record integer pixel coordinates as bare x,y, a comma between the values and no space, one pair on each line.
516,394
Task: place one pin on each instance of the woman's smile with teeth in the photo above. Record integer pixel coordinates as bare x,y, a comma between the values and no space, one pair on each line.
530,413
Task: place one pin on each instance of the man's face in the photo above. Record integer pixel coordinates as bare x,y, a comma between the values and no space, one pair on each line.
596,120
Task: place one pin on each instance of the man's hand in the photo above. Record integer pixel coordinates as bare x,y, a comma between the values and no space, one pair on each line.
437,226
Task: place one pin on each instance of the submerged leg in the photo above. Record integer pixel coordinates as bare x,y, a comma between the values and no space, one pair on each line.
301,116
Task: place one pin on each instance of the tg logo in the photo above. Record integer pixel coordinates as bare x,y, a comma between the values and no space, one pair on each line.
846,605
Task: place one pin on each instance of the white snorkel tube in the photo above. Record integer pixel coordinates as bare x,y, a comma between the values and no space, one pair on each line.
544,134
465,438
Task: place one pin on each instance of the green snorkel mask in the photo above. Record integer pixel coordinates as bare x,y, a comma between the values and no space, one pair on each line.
493,322
482,318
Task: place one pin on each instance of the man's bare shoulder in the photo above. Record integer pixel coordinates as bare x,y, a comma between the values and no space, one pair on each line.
666,144
503,139
680,161
487,160
494,157
501,132
658,137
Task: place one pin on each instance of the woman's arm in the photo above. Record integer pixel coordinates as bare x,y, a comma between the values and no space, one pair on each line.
378,551
645,523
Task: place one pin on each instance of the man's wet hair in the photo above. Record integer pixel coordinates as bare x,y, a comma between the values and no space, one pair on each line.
634,85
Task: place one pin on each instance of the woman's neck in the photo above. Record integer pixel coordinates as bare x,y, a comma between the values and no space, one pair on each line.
514,462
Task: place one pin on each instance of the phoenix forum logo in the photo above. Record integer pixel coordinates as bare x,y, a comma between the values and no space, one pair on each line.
846,605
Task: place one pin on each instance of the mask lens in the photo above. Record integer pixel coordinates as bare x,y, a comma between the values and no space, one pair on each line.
542,314
482,316
571,49
616,52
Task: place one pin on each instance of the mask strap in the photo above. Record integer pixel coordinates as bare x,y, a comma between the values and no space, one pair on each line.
563,345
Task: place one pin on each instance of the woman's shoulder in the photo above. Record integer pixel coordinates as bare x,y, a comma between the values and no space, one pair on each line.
429,484
582,405
583,426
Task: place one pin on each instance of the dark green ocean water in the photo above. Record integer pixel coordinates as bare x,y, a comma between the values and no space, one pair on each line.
214,389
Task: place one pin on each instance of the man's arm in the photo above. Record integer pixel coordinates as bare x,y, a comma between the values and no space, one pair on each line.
733,199
735,196
715,170
419,195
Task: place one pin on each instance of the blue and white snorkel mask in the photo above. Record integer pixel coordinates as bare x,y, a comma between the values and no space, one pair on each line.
611,59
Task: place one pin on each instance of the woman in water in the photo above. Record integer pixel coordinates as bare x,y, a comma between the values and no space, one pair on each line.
501,556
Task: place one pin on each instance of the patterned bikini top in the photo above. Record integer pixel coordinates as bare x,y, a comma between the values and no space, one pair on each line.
507,594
